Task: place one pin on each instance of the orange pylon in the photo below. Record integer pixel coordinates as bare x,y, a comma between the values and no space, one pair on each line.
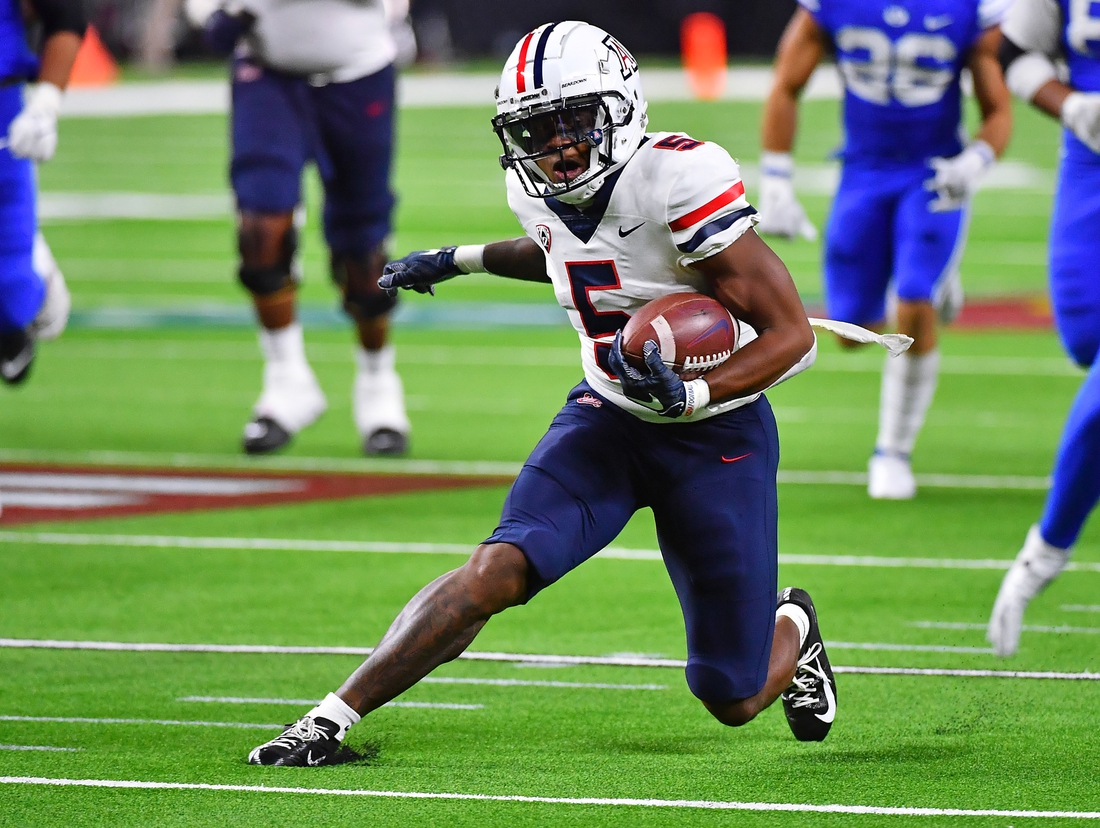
703,52
94,65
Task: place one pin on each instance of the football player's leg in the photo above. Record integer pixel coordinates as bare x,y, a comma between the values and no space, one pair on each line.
928,247
1075,487
22,291
572,497
721,554
270,146
357,126
858,254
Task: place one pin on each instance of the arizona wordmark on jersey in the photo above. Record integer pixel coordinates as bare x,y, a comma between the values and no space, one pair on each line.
675,202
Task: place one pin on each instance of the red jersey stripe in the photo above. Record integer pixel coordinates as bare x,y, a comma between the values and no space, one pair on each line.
521,84
714,205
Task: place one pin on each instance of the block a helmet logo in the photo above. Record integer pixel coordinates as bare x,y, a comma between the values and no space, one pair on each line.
544,236
627,63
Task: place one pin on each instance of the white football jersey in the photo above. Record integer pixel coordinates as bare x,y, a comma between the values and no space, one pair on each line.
675,202
337,40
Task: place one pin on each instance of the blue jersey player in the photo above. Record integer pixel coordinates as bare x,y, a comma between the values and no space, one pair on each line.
898,222
34,301
614,217
1037,33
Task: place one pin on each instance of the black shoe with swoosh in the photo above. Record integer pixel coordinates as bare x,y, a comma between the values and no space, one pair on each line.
810,701
624,233
308,742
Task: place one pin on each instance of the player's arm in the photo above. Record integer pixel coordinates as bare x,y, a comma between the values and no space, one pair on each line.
422,270
33,133
754,284
801,49
1027,52
956,178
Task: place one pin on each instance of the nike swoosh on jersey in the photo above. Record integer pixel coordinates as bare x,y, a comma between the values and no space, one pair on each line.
936,22
829,714
624,233
735,459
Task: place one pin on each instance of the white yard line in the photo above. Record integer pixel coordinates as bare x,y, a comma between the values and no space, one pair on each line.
612,802
45,748
170,722
519,659
386,547
961,625
455,467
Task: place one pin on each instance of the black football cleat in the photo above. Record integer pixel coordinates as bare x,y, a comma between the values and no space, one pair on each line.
309,742
810,701
263,435
386,442
16,356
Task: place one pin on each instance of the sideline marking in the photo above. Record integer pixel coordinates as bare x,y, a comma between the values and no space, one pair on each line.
789,807
528,658
612,552
481,468
41,747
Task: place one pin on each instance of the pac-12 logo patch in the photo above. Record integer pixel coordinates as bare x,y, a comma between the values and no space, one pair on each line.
543,232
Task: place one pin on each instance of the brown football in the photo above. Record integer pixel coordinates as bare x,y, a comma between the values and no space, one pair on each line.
694,332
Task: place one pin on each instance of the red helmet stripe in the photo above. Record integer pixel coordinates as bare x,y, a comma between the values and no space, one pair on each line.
521,84
713,206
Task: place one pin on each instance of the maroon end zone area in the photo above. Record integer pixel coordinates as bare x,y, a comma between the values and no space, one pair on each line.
143,489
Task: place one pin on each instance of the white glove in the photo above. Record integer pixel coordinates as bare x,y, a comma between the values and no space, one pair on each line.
33,132
780,212
956,178
1035,566
1081,115
199,11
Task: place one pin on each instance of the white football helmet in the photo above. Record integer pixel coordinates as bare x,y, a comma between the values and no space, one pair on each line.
575,83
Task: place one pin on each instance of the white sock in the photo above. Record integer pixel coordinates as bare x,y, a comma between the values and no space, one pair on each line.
335,709
375,362
908,385
800,618
284,344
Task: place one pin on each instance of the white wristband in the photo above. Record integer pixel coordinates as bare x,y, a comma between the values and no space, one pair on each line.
46,98
776,163
470,258
1028,74
696,396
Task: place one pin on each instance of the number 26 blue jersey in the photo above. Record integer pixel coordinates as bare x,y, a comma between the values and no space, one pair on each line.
900,63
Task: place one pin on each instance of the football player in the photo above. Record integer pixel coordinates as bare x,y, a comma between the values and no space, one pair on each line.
313,80
34,300
898,222
1037,33
613,217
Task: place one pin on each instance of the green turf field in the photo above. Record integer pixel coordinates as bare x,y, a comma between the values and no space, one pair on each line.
146,377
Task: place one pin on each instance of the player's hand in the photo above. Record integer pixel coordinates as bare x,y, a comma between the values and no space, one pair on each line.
1081,115
421,271
656,386
781,214
33,132
955,179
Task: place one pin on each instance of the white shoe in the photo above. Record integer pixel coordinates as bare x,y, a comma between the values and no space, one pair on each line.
291,398
1035,566
53,316
378,403
889,477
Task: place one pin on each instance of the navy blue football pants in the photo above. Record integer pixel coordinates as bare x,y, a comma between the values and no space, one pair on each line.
711,486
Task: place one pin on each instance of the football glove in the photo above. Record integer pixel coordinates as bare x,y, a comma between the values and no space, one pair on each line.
781,214
955,179
33,132
421,271
657,386
1081,115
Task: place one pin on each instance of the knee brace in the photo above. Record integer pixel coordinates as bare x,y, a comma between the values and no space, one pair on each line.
267,246
357,278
